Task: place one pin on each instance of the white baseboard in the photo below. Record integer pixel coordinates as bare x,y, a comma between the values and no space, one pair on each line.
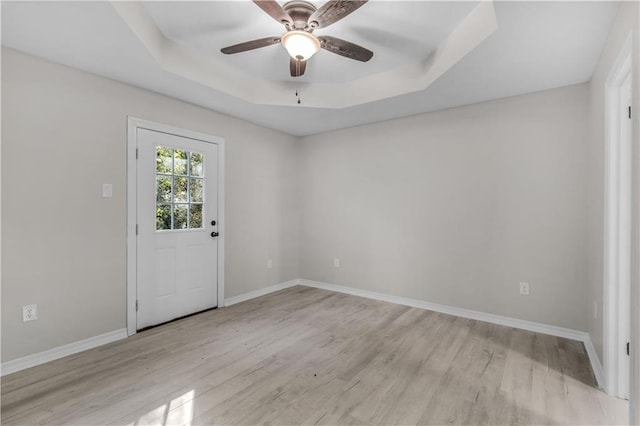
537,327
92,342
61,351
260,292
596,365
102,339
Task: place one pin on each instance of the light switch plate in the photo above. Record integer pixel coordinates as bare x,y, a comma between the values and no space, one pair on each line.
107,190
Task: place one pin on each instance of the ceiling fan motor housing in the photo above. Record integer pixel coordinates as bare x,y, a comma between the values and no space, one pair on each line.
300,11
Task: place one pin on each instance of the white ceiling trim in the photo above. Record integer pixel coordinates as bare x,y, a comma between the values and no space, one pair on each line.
188,63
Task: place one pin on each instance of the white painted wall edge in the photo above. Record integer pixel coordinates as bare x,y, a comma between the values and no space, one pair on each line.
260,292
61,351
537,327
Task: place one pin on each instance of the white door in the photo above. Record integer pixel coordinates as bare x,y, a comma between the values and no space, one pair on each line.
177,214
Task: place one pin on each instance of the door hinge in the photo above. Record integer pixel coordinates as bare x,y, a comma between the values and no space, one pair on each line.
136,229
137,153
136,306
627,348
629,112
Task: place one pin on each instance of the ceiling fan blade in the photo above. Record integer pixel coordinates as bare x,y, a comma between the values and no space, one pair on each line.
297,67
332,11
250,45
273,9
345,48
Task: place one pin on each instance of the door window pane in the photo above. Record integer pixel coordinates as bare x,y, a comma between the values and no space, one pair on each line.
195,164
163,189
195,216
180,216
195,190
179,162
164,159
179,189
163,216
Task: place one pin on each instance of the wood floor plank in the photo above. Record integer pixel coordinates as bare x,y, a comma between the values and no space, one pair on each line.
310,356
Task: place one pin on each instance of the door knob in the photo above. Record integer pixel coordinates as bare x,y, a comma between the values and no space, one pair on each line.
214,234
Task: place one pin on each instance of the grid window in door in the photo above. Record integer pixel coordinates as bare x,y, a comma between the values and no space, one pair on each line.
179,189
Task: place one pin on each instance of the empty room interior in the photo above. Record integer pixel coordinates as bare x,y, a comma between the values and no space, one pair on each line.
327,212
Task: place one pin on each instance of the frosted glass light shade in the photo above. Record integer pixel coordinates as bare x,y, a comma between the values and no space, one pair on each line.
301,45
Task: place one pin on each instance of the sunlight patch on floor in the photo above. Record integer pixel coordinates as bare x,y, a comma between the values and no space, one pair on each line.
181,410
178,412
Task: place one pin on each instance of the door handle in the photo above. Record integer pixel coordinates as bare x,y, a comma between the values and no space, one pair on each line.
214,234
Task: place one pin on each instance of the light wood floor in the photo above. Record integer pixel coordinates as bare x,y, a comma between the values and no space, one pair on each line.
310,356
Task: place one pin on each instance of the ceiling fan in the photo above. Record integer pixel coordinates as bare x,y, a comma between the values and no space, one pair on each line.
300,19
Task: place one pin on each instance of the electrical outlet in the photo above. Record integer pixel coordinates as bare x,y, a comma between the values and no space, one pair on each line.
269,264
336,262
29,313
524,289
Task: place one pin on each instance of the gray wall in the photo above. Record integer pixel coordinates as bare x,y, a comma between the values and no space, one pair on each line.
63,246
456,207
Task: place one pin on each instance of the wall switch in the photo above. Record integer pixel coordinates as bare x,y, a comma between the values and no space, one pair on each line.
107,190
269,264
29,313
336,262
524,289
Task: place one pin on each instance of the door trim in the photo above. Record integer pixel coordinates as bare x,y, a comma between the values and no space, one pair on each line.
612,349
133,124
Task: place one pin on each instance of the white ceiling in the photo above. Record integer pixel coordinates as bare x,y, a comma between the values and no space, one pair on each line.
535,46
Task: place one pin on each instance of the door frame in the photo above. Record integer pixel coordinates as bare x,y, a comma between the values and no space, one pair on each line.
620,72
133,124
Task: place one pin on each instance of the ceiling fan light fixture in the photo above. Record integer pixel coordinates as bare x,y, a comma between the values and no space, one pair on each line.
300,45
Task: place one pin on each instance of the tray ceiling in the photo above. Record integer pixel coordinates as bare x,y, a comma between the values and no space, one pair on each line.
428,55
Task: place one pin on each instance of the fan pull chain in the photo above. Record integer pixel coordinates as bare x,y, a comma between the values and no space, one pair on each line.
298,96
